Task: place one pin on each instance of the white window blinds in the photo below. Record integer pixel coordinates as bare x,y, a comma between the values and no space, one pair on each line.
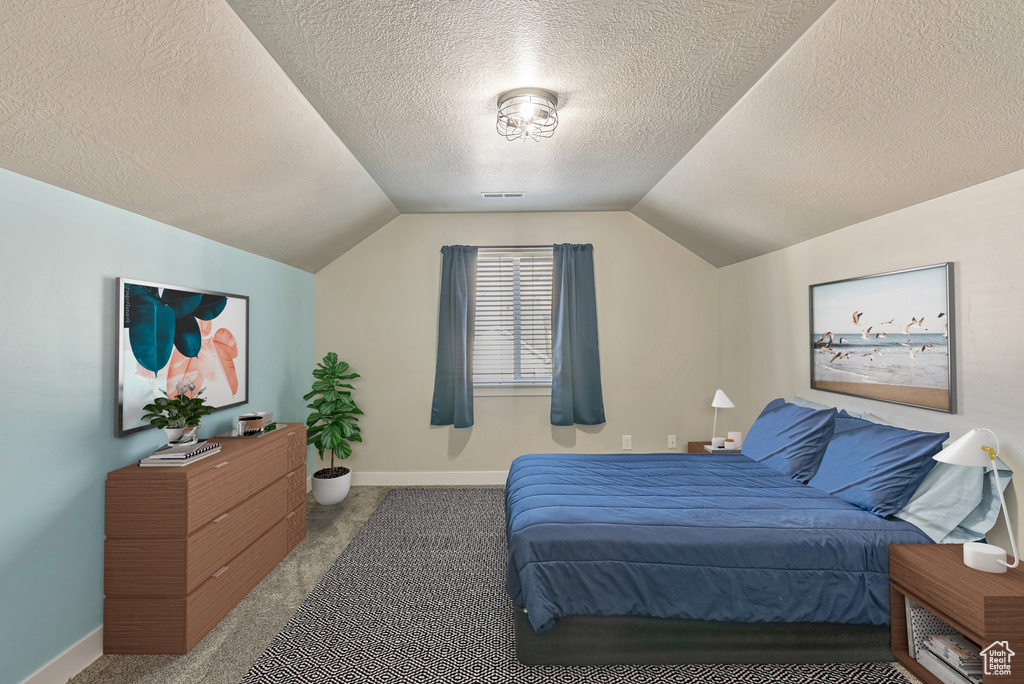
512,345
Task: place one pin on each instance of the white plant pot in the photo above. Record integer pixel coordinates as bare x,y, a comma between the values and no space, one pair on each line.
332,490
173,434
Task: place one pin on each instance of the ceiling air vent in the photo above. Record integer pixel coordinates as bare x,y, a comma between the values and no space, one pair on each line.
503,195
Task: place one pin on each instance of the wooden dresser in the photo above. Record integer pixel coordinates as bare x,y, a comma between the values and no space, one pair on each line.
185,544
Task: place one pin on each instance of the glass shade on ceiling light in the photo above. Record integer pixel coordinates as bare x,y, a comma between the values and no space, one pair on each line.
527,113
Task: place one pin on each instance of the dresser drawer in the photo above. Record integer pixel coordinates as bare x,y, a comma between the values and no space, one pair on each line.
175,625
231,479
213,545
215,598
296,526
296,446
175,567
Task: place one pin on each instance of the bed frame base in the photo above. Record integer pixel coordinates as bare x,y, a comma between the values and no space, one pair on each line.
593,640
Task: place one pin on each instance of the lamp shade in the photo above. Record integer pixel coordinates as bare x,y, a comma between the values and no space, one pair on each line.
722,401
968,450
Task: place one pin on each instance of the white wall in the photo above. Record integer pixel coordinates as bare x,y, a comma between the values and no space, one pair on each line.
764,311
376,306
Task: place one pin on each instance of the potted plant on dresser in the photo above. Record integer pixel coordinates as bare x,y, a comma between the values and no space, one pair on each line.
331,426
180,415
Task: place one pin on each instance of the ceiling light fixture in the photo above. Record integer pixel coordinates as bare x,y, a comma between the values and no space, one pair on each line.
527,113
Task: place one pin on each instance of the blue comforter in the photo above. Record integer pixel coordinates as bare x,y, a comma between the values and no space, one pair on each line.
690,536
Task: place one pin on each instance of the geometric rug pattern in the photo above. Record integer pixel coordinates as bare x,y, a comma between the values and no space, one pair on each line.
419,596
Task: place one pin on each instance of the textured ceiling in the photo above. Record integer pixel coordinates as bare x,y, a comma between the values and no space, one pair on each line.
882,104
752,124
173,110
411,86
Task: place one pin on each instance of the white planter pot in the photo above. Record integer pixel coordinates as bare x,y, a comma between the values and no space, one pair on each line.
332,490
173,434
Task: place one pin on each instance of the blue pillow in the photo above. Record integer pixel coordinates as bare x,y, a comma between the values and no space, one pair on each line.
790,439
846,421
876,467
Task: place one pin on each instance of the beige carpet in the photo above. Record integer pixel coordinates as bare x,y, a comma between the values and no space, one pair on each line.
227,653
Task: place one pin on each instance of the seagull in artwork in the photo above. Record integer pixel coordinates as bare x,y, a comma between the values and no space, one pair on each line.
880,334
905,344
945,330
871,357
840,356
941,315
822,339
842,340
867,333
914,353
906,328
856,317
888,322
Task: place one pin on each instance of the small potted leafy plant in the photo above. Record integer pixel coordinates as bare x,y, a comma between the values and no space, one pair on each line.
332,426
180,415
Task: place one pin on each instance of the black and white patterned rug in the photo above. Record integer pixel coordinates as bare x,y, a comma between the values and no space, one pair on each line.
419,596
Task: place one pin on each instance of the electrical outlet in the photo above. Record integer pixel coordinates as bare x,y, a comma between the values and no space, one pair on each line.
671,441
627,442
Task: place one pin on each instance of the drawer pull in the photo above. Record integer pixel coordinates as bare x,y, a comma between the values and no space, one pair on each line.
221,571
290,474
221,465
289,515
221,518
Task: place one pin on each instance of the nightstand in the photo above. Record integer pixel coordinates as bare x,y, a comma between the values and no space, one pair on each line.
982,606
698,448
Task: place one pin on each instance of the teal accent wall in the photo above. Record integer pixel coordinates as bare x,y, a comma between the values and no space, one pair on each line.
62,256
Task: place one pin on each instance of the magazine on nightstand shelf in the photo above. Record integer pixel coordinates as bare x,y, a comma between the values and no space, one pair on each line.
943,670
957,651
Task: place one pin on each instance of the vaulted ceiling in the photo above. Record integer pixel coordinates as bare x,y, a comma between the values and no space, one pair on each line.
294,130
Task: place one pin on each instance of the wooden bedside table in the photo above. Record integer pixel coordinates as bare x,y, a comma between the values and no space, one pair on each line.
984,607
698,448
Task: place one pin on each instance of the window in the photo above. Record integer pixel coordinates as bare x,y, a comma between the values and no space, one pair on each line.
512,345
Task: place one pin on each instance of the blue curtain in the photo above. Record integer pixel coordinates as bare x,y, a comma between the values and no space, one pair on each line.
576,373
453,376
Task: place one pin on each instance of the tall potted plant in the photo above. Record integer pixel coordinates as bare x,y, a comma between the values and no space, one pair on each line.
180,415
332,426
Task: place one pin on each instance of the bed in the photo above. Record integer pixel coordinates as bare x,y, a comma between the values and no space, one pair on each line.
674,558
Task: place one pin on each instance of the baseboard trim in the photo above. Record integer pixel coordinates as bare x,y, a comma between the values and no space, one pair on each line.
448,477
72,661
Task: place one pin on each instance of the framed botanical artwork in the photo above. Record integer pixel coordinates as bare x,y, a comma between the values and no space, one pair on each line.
888,337
171,338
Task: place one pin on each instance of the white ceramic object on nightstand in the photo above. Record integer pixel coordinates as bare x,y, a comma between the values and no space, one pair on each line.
985,557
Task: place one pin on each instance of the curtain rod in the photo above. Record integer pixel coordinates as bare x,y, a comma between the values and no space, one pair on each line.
514,246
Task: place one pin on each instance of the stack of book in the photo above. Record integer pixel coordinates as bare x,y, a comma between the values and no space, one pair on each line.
953,659
181,454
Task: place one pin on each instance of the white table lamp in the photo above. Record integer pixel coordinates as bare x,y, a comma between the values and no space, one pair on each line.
976,449
720,401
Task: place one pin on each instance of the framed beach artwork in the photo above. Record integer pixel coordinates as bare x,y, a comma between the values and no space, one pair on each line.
172,338
888,337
